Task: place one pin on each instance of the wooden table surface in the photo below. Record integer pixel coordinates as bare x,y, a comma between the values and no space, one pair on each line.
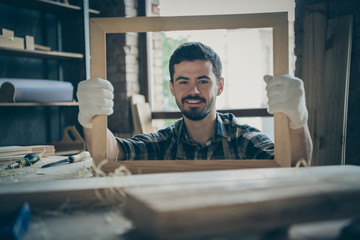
112,223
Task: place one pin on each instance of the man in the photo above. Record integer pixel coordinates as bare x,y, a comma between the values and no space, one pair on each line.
202,133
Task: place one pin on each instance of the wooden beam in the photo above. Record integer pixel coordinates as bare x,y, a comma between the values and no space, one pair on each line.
98,69
163,166
281,66
157,24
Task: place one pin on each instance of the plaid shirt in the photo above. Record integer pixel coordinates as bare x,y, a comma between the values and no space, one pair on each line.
230,141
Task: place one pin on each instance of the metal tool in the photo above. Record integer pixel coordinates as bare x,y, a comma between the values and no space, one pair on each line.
74,158
29,159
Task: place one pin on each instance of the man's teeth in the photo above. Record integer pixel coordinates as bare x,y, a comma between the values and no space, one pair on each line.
193,101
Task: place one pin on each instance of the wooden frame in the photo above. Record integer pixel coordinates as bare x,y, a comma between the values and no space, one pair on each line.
278,21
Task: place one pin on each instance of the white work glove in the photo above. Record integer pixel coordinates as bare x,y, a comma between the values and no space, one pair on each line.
95,97
286,95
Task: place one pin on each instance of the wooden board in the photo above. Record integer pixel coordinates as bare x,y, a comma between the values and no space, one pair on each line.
143,115
277,21
162,166
135,99
98,69
41,47
315,21
335,96
218,207
81,193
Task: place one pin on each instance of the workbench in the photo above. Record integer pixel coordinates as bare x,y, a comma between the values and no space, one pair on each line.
112,222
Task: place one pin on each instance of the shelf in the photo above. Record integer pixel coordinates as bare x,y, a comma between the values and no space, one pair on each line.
49,6
37,104
40,54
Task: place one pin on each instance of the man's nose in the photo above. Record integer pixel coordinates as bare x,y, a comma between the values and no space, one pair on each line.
194,89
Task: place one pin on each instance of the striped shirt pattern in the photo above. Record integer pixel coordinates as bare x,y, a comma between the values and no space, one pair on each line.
230,141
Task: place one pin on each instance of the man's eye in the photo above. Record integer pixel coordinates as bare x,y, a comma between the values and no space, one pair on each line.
204,81
183,82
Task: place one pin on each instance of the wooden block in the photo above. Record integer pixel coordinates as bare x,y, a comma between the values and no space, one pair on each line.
29,42
7,33
42,48
11,42
182,211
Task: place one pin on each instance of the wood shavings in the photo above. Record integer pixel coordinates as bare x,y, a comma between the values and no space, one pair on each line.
112,196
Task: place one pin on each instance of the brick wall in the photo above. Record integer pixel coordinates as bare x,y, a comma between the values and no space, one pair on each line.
122,64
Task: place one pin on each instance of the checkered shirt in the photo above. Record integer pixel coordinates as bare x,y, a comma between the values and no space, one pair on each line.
230,141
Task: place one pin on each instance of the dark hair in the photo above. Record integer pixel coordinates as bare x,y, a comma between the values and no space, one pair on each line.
191,51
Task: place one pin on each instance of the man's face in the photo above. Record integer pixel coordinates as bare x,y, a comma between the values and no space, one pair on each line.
195,88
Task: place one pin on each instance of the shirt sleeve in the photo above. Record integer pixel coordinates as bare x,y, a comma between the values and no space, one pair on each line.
144,146
256,145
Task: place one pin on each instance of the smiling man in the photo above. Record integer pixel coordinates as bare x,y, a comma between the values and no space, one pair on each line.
202,133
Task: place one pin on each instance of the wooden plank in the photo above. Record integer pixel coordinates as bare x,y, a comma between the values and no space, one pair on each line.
143,112
315,21
49,6
82,193
40,54
98,69
168,166
215,208
35,104
41,47
135,99
335,97
156,24
281,66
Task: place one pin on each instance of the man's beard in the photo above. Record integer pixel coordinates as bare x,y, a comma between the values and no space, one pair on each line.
194,113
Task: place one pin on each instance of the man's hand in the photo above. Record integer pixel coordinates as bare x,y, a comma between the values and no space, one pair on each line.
286,95
95,97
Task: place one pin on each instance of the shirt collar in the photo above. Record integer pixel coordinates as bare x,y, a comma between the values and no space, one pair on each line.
220,129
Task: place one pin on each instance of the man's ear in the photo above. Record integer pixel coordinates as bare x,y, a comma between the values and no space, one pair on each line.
171,88
220,86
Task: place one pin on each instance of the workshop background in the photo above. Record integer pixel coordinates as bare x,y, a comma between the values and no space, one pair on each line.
64,31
